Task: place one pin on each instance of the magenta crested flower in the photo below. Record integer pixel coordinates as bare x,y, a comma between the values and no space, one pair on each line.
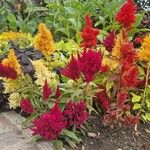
26,106
75,113
89,34
46,91
90,63
50,124
7,72
109,41
72,70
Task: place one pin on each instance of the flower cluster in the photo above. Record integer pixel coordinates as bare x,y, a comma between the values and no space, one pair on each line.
7,72
50,124
109,41
26,106
144,53
88,63
75,113
89,34
103,98
12,62
46,91
126,15
44,40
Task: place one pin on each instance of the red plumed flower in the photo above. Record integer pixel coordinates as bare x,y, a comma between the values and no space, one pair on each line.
109,41
58,92
121,97
75,113
126,15
72,70
132,120
129,55
26,106
103,99
138,40
130,77
89,34
50,124
90,63
7,72
46,91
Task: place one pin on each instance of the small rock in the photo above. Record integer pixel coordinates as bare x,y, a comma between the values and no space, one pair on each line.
93,135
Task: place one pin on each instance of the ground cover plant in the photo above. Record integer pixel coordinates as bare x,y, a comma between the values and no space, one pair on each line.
59,85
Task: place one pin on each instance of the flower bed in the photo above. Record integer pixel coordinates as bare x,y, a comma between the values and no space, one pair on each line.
60,88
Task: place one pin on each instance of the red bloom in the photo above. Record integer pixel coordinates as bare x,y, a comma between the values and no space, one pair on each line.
103,99
138,40
58,92
126,15
121,97
89,34
132,120
72,70
26,106
7,72
109,41
90,63
129,55
50,124
104,69
75,113
130,77
46,91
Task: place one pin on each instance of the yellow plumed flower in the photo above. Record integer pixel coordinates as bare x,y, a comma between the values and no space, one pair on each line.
14,100
121,38
112,64
144,53
44,40
12,61
11,85
42,73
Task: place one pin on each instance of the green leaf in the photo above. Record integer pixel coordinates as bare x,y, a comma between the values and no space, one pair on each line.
58,144
71,135
139,18
136,98
109,86
147,116
136,106
71,143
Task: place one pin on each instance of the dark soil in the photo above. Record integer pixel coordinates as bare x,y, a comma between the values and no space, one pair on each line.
117,138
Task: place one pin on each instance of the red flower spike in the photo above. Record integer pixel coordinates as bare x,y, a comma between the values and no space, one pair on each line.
72,70
109,41
50,124
7,72
138,40
90,63
26,106
103,99
129,56
46,91
126,15
130,77
89,34
58,92
75,113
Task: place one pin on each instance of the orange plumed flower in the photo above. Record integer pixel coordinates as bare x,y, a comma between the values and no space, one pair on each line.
120,40
144,53
44,40
11,61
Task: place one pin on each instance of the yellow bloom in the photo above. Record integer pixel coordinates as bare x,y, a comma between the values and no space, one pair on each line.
12,61
44,40
112,64
11,85
144,53
42,73
120,40
14,100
